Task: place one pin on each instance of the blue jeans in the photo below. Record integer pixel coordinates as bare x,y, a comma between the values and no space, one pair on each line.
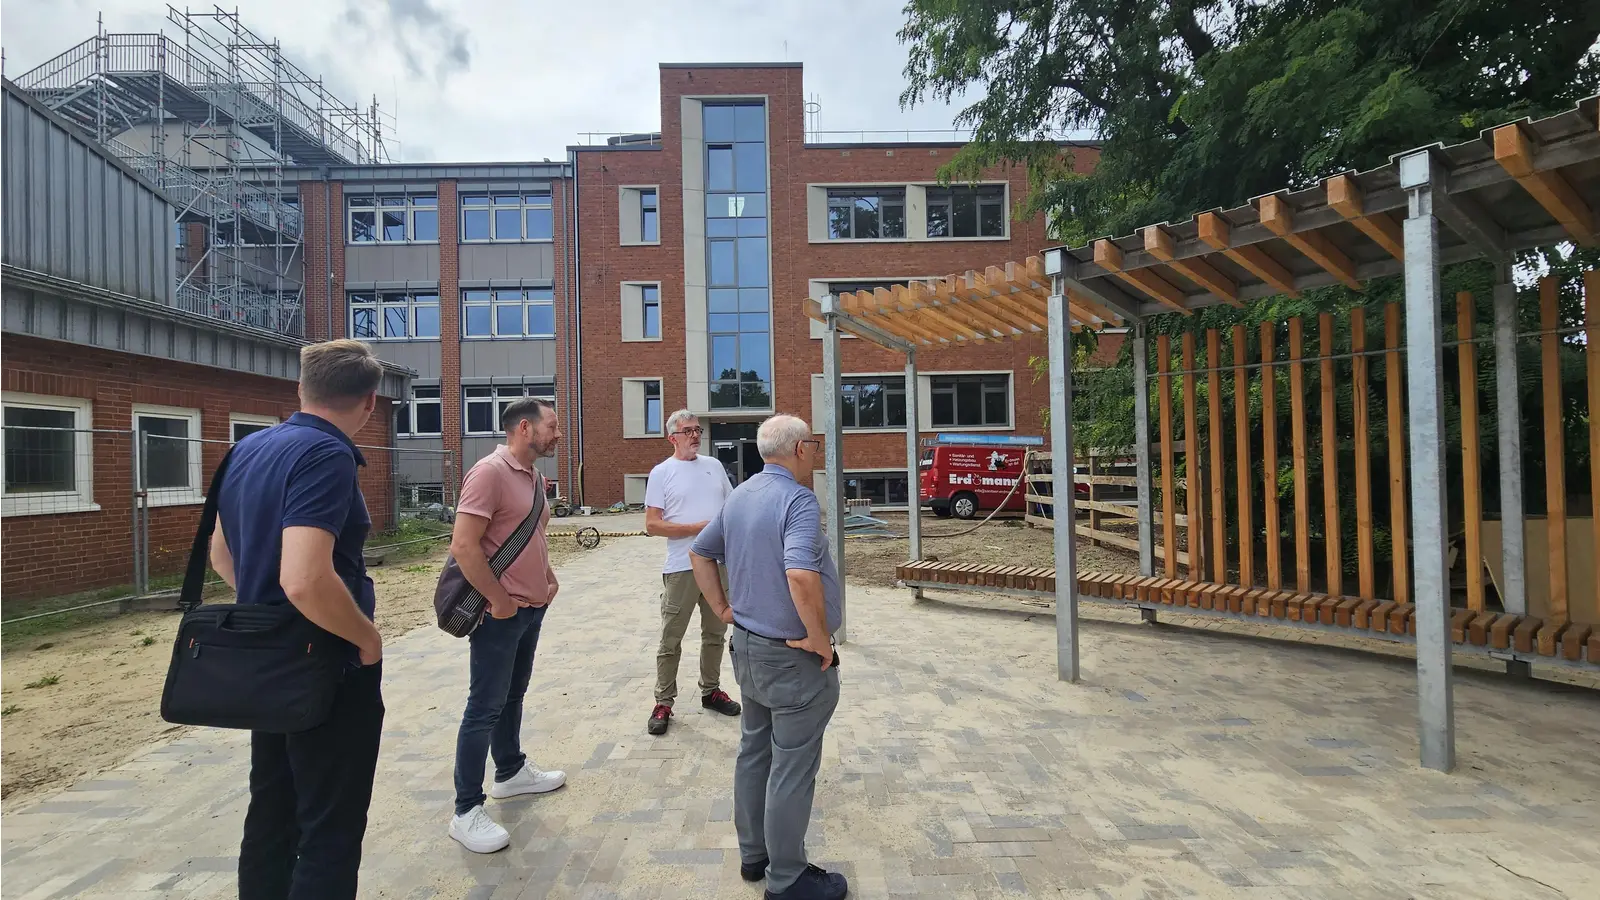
502,663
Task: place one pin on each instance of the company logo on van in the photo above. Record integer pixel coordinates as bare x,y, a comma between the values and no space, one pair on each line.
970,480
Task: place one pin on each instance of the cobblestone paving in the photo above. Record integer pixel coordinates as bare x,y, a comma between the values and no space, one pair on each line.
1189,763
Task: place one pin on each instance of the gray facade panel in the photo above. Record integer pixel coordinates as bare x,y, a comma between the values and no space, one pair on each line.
266,258
411,262
492,262
484,359
71,212
421,461
476,448
421,357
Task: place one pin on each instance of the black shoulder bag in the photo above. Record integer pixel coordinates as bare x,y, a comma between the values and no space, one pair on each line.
459,605
247,665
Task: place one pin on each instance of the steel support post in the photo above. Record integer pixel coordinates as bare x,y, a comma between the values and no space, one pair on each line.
1141,426
831,429
1062,484
913,463
1425,386
1508,423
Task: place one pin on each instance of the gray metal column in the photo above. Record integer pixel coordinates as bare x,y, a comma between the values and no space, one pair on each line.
1141,436
1062,484
835,451
913,457
1425,385
1508,422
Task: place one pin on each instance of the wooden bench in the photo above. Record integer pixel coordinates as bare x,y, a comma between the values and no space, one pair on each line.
1508,635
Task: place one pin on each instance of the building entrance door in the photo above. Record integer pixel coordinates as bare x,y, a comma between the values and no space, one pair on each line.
734,445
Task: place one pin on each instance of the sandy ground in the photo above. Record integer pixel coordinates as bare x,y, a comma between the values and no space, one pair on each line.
82,700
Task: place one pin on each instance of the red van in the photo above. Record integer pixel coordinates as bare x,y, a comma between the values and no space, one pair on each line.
963,475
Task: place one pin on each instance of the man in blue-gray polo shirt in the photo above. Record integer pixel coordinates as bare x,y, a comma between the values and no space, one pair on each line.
785,610
291,525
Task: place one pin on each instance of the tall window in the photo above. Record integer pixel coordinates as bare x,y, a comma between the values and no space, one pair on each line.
509,313
967,211
738,300
970,400
650,308
408,218
49,455
419,415
649,222
865,213
393,315
652,407
507,216
167,444
873,402
483,406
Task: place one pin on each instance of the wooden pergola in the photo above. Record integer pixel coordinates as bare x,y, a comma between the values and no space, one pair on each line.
1518,186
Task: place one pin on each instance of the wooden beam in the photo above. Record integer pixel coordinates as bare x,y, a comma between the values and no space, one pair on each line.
1161,245
1216,233
1330,461
1169,505
1471,468
1108,256
1193,463
889,317
1269,461
1394,375
1219,526
978,316
1515,153
1555,474
1297,409
1366,584
1241,462
1279,219
1344,195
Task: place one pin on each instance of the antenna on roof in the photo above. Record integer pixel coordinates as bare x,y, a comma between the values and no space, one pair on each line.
814,115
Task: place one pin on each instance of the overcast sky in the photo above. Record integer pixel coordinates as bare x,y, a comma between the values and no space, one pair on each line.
521,79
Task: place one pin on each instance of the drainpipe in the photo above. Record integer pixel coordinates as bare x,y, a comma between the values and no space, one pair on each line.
575,261
327,245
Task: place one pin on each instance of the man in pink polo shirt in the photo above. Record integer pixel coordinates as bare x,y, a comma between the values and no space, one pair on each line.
496,497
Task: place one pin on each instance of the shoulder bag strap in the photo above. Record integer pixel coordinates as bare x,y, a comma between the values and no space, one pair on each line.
519,539
194,578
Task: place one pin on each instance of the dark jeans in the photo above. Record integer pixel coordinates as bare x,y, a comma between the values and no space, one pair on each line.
502,663
309,793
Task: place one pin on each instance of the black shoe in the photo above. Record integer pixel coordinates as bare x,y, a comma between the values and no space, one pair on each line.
721,702
753,871
814,884
658,719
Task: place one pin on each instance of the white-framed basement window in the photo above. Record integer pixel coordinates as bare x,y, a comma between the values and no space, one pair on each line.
48,466
242,424
167,444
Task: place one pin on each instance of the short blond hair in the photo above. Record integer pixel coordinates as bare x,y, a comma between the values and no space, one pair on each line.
339,373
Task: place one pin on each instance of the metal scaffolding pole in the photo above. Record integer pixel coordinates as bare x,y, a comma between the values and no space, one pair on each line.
831,427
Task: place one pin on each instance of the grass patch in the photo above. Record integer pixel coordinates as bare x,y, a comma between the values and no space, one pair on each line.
9,709
44,682
413,538
147,641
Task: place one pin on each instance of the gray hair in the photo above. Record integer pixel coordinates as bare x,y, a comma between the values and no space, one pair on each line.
678,418
777,436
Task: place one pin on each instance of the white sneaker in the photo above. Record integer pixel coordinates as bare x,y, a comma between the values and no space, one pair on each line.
479,833
531,780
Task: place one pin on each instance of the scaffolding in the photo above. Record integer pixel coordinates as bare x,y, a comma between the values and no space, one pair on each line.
213,115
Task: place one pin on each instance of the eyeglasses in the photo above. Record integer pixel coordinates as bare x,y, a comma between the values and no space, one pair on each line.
692,432
813,442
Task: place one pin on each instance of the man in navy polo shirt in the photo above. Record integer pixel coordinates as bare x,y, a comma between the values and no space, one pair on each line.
291,525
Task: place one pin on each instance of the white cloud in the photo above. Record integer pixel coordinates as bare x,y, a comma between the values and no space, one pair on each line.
478,80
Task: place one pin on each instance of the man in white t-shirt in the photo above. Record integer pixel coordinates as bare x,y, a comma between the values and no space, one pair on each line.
686,491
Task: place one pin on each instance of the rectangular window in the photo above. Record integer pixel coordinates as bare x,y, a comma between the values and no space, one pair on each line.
966,401
650,302
402,219
649,222
393,315
240,425
966,212
882,488
167,445
641,407
483,406
866,213
738,323
878,402
507,216
652,407
419,416
509,313
48,461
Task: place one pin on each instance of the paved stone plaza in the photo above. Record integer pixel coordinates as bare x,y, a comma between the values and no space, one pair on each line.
1188,764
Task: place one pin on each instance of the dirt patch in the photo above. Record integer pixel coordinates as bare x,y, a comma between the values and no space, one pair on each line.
873,559
83,699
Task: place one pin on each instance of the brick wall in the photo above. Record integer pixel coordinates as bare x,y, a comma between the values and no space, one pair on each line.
60,554
321,297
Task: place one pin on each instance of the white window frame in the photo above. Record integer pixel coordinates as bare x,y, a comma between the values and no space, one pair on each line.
644,413
528,301
501,396
1011,401
78,500
374,203
527,201
878,191
1005,212
185,496
410,404
381,321
247,419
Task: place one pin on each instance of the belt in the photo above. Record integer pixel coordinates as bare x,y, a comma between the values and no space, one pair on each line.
763,636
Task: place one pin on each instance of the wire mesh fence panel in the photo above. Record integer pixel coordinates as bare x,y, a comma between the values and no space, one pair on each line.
411,493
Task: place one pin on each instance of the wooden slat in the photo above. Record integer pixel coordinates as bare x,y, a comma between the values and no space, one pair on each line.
1398,523
1241,449
1471,467
1219,527
1555,193
1344,195
1217,234
1314,245
1591,321
1109,257
1269,462
1161,245
1555,474
1297,408
1192,464
1366,586
1169,527
1330,461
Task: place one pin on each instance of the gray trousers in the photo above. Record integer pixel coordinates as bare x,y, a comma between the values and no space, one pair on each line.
788,700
